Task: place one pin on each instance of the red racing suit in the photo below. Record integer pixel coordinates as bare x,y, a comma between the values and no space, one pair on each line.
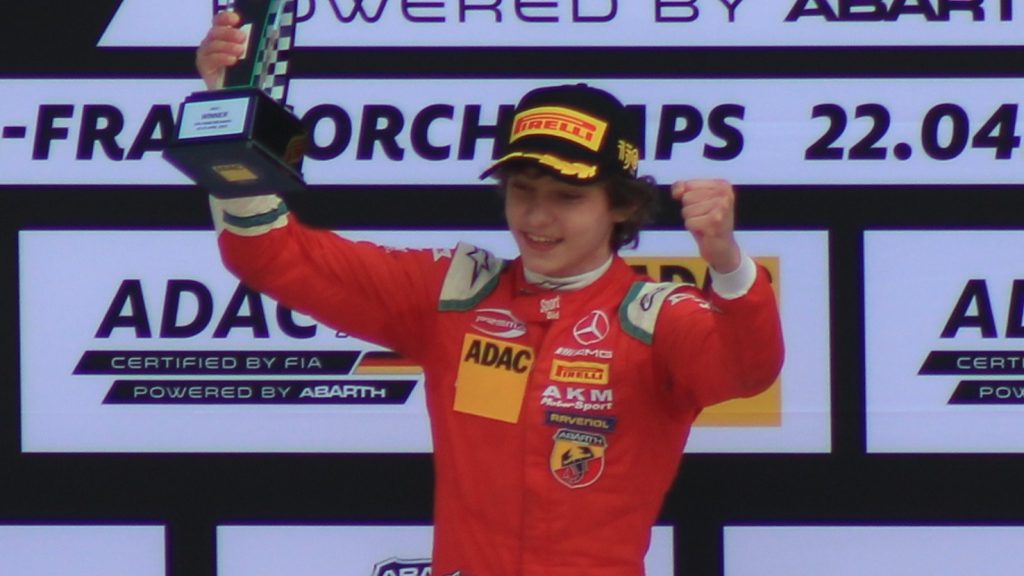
558,417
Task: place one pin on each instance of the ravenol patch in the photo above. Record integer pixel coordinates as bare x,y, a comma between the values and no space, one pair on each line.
580,421
564,123
577,458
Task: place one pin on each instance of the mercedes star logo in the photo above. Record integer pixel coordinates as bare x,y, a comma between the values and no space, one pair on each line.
592,328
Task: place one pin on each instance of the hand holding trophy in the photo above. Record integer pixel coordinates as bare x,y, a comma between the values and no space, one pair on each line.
242,139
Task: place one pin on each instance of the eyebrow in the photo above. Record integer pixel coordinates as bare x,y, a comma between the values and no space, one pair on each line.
522,182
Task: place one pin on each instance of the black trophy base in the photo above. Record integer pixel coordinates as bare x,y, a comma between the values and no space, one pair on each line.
238,142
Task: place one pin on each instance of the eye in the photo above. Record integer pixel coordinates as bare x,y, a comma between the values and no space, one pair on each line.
518,185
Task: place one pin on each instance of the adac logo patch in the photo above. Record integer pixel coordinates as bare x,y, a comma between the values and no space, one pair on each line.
492,378
488,353
579,372
577,458
564,123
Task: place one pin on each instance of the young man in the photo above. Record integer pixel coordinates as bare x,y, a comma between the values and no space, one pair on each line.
561,385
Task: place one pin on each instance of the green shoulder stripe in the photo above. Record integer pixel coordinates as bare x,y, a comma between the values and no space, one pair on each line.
638,313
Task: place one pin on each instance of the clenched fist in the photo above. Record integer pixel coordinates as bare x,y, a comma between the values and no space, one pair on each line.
708,210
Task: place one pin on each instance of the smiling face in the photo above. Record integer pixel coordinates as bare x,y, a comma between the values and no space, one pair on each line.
561,229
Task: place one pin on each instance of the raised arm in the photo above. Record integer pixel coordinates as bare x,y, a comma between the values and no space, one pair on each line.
726,342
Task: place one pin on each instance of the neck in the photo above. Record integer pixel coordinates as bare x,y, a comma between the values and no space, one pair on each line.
567,282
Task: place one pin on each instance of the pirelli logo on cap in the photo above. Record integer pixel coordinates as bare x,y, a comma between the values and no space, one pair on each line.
564,123
579,372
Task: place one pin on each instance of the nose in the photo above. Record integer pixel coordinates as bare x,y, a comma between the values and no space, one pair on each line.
537,212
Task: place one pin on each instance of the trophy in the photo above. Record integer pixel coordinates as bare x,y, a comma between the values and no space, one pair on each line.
242,140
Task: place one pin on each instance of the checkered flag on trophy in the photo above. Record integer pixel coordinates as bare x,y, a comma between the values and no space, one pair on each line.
271,27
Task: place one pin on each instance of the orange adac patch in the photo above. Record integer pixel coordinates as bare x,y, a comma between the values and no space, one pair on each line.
560,122
492,378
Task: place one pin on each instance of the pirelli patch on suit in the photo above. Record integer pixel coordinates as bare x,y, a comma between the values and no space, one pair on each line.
579,372
492,377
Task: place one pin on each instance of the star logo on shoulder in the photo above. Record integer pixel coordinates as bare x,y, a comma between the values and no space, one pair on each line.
483,261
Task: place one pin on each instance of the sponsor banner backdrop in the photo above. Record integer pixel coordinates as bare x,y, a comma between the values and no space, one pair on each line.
103,132
123,349
82,550
875,550
599,23
442,131
358,550
945,370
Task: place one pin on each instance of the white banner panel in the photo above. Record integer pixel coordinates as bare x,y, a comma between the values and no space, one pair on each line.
82,550
533,23
127,338
89,131
358,551
874,550
944,322
442,131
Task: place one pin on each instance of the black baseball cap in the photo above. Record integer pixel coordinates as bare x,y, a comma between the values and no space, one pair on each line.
578,132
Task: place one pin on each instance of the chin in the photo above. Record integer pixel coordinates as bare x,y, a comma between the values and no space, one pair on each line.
542,266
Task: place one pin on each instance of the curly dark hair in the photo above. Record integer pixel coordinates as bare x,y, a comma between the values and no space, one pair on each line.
638,196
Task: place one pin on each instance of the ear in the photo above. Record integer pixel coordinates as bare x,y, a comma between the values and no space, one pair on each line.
619,213
623,213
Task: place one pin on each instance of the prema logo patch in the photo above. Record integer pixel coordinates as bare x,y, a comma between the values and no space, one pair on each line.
498,322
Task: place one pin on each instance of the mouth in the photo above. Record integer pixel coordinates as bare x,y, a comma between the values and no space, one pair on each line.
538,241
